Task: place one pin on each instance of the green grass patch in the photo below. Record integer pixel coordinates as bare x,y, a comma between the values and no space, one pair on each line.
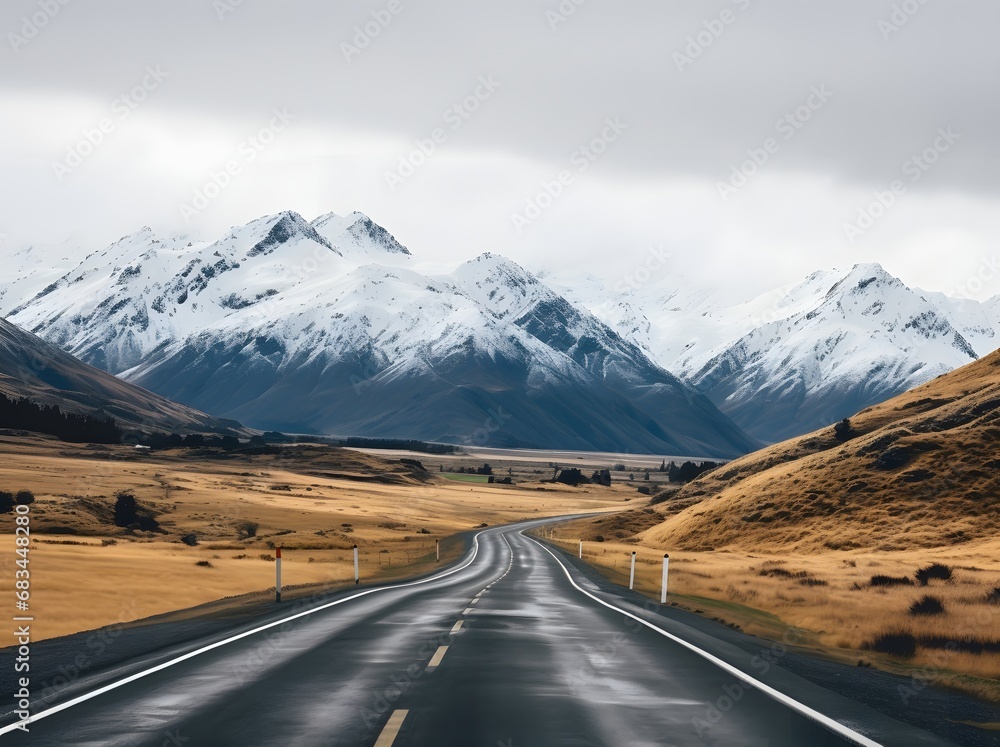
465,478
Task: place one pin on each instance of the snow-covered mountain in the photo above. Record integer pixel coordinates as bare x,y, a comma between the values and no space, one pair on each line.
798,358
867,339
326,327
330,326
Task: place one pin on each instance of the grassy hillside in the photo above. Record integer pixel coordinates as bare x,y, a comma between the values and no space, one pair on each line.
921,470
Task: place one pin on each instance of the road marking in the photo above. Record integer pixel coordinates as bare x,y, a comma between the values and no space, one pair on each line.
438,656
475,601
810,713
391,730
458,627
468,611
218,644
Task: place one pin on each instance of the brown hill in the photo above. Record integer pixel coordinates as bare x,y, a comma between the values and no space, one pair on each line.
921,470
46,375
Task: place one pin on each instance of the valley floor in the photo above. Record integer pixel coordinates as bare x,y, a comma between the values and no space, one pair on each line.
222,516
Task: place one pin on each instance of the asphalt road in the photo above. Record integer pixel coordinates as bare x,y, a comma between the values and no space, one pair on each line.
511,648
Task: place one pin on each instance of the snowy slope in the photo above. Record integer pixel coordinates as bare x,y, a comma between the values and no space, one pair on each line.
28,270
325,327
868,338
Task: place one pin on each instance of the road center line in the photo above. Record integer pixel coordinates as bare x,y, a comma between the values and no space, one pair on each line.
458,627
391,730
438,656
218,644
468,611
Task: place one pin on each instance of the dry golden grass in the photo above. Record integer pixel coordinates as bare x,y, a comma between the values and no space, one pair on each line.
327,500
827,600
917,482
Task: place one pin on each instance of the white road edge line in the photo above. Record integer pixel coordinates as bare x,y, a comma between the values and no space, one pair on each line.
218,644
391,730
826,721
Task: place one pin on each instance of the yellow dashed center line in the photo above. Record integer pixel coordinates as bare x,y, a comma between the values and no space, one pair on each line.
438,656
391,730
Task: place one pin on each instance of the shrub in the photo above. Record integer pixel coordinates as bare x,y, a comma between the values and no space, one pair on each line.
190,539
204,564
927,605
423,530
599,538
993,597
6,502
895,643
130,515
24,497
783,573
247,529
937,570
842,430
880,580
285,488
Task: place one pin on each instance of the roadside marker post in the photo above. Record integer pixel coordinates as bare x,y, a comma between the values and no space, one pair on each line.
357,578
437,549
277,575
663,584
580,553
631,575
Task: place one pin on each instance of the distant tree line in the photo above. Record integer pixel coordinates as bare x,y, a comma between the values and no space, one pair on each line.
688,471
398,444
23,414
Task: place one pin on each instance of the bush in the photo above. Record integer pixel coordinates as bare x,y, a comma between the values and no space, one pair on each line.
937,570
599,538
842,430
895,643
927,605
247,529
129,515
190,539
24,497
880,580
204,564
993,597
6,502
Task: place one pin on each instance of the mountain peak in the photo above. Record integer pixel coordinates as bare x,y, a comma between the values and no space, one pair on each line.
282,228
356,231
866,275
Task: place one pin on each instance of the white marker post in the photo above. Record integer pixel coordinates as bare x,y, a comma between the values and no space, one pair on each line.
277,575
437,549
357,578
580,555
663,584
631,575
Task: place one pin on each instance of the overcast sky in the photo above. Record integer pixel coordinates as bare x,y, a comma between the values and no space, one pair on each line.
318,106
